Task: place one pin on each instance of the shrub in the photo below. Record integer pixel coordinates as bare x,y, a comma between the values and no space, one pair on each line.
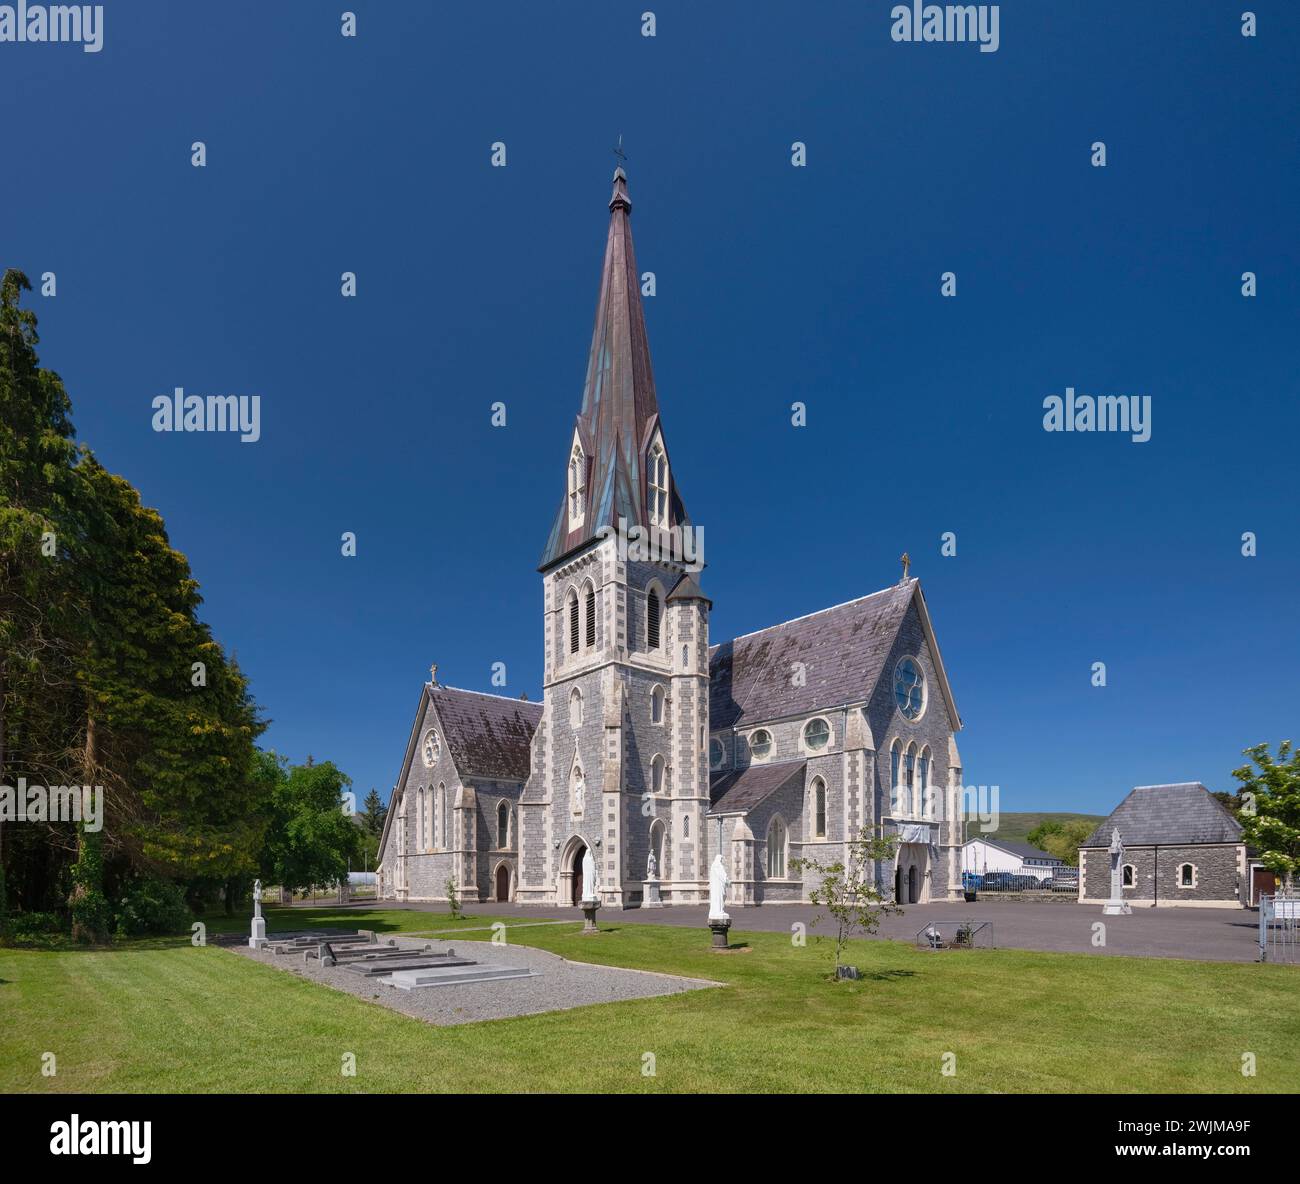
151,906
25,927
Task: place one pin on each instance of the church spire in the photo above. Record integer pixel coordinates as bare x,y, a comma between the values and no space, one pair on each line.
617,465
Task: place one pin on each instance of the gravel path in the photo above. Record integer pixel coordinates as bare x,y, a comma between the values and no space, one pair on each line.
556,985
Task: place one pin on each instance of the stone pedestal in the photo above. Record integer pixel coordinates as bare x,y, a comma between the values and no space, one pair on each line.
650,899
589,908
719,927
1116,908
257,939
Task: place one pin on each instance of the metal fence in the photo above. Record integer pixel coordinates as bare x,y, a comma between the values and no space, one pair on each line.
1005,885
956,935
1279,929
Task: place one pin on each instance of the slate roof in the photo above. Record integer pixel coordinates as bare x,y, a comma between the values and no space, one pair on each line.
1159,814
843,650
619,409
487,735
743,789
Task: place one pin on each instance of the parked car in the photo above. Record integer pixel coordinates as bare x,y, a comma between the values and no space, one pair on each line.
1010,882
971,881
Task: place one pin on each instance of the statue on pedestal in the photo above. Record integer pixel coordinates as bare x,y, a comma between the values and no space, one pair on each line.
257,935
652,867
589,890
1116,906
718,884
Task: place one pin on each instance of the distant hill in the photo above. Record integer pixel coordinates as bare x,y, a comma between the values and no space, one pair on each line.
1018,826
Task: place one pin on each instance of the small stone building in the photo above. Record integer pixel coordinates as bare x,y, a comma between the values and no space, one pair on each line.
1181,847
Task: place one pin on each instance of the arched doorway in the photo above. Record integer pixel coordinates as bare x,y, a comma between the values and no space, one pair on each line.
503,883
912,895
578,853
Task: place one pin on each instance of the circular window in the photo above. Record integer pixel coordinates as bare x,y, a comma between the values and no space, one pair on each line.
760,744
817,734
432,748
909,688
717,753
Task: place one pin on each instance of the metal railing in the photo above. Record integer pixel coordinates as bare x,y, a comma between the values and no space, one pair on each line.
1279,928
956,935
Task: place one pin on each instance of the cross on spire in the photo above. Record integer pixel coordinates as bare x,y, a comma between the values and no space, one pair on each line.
618,151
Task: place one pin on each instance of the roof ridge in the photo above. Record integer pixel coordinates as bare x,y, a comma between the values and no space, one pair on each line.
486,694
818,612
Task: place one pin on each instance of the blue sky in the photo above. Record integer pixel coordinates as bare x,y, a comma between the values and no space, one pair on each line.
775,284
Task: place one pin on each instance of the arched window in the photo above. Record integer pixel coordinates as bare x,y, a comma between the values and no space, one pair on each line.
652,619
419,818
575,708
573,621
591,616
717,753
816,734
895,760
760,744
686,656
503,824
432,747
819,808
686,826
657,705
776,836
658,486
577,485
444,805
657,770
1187,876
910,800
923,774
1127,878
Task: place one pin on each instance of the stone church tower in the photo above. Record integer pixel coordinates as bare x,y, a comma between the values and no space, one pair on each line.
619,761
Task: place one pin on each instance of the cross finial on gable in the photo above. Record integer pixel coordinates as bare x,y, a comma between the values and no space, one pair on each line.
433,674
906,560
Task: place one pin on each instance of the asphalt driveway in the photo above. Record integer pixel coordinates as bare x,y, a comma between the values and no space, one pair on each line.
1206,935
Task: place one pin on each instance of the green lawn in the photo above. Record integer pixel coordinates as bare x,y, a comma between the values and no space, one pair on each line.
167,1016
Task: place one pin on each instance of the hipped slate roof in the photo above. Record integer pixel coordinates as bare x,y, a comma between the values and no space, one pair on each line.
620,412
487,735
1159,814
842,650
743,789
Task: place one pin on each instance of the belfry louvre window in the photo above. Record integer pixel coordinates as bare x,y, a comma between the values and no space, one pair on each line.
573,622
591,618
652,620
658,486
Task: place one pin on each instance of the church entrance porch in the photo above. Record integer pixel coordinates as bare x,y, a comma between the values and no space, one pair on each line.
912,874
503,883
568,891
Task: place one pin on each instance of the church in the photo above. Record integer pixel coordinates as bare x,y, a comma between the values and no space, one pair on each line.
653,748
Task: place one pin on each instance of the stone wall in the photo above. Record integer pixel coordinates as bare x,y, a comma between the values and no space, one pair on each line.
1219,877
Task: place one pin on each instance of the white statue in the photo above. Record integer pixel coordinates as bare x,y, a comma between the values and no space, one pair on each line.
589,891
257,932
718,881
652,867
1116,906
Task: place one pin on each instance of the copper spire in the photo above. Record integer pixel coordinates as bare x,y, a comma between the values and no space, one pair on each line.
620,413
